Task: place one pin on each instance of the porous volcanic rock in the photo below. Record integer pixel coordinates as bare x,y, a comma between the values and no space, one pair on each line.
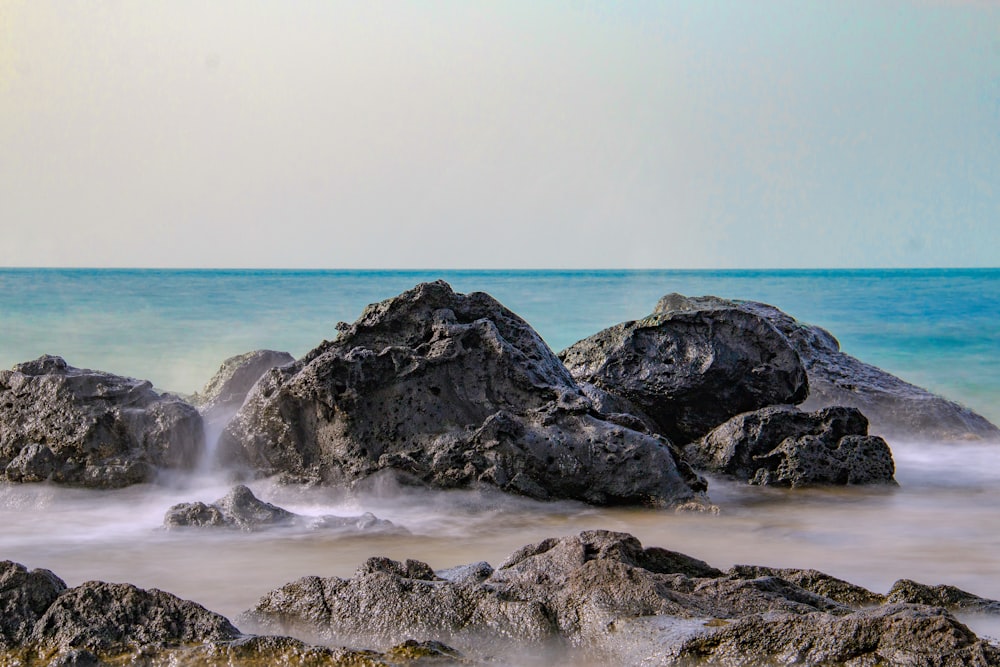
603,597
895,408
688,371
90,428
225,392
24,597
782,446
241,509
448,390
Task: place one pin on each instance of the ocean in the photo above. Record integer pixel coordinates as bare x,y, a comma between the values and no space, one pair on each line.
939,329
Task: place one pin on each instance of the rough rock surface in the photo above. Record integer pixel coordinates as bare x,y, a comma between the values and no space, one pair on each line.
241,509
605,597
895,407
99,624
449,390
688,371
949,597
783,446
89,428
228,388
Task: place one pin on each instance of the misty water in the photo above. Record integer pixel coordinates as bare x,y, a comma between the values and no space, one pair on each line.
941,525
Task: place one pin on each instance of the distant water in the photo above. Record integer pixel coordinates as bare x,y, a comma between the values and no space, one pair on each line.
938,329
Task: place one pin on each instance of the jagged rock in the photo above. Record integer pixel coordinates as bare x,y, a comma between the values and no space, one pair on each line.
228,388
949,597
783,446
688,371
89,428
890,635
449,390
241,509
603,595
895,407
24,597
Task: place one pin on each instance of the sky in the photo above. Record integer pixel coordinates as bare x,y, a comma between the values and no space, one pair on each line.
507,134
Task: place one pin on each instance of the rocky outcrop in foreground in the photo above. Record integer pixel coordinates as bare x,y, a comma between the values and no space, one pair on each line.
42,622
595,598
90,428
895,407
603,597
448,390
783,446
689,370
242,510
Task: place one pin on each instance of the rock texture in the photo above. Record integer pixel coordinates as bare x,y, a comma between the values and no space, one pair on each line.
89,428
689,370
895,407
783,446
225,392
102,624
603,597
449,390
242,510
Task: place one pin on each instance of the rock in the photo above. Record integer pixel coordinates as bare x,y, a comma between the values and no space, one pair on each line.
890,635
260,651
895,407
949,597
89,428
449,390
689,370
24,597
783,446
602,597
225,392
242,510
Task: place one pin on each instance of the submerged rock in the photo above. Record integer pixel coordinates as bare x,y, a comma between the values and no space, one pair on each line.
895,407
688,371
448,390
241,509
90,428
603,597
783,446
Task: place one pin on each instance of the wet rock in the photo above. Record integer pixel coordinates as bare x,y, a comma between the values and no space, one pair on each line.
783,446
449,390
689,370
241,509
895,407
109,619
228,388
24,597
949,597
260,651
89,428
603,597
889,635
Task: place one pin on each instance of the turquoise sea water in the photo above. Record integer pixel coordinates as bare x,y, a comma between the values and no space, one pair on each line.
936,328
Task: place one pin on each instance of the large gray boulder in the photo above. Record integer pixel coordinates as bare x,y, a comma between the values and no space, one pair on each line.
24,597
604,599
449,390
241,509
688,370
90,428
784,446
895,408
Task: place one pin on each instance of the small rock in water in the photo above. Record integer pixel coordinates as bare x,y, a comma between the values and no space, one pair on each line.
783,446
242,510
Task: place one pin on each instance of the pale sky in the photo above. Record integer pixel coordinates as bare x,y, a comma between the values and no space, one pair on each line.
508,134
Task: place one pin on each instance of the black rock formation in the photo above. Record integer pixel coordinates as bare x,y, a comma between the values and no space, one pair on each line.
449,390
90,428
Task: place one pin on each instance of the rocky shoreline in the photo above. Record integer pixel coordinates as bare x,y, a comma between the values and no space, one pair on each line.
446,390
